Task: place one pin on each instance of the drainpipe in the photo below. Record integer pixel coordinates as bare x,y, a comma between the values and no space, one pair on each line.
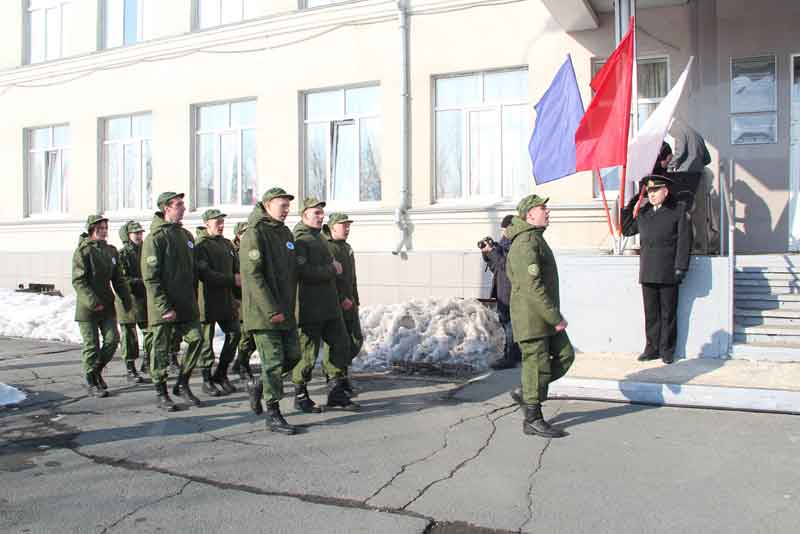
401,214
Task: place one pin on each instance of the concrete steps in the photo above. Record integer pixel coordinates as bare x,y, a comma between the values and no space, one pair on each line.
776,352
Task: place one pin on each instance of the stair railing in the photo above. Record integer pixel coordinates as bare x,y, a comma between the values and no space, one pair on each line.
727,212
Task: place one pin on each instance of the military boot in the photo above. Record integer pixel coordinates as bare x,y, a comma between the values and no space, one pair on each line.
338,397
98,378
245,373
276,422
208,386
145,367
133,375
303,402
220,379
91,386
255,391
535,424
164,402
183,390
349,388
174,367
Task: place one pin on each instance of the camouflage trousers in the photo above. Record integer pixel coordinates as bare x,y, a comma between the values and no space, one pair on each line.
279,353
356,338
544,360
226,355
94,355
164,335
334,361
129,341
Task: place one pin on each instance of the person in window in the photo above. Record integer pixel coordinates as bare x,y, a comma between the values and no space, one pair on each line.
663,226
495,257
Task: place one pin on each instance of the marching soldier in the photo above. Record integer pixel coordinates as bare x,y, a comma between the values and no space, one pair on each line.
218,271
320,314
168,270
337,231
269,295
538,325
665,242
130,256
247,346
95,267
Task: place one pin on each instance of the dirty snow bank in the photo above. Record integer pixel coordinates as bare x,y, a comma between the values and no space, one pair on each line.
10,395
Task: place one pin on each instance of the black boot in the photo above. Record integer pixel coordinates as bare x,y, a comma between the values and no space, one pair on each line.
91,386
255,391
145,367
667,358
164,402
647,355
208,386
349,388
337,396
174,367
133,375
276,422
502,363
220,379
535,424
303,402
98,378
245,372
183,390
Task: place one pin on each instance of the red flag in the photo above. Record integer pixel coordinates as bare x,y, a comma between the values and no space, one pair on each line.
602,137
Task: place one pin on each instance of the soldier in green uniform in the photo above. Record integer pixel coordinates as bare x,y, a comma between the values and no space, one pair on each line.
337,231
537,322
130,257
218,271
95,267
320,314
269,296
247,346
168,270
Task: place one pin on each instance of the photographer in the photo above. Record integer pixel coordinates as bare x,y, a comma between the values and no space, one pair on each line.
494,254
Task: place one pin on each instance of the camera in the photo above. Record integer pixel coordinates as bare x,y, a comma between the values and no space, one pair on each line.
486,242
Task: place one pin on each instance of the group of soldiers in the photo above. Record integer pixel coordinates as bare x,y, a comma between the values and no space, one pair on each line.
286,294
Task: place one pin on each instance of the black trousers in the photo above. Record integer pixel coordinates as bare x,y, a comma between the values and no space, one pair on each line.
660,318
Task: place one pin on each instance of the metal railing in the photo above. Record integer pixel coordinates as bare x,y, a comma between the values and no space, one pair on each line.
727,211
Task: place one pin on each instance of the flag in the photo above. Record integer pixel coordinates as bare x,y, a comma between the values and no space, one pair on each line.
602,136
644,148
558,113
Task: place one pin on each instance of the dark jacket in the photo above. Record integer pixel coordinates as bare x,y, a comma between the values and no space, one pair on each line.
664,239
532,271
346,283
168,271
95,267
316,275
691,153
130,257
501,287
269,272
217,263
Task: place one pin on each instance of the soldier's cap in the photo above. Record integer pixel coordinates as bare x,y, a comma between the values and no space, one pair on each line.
213,214
240,227
528,203
133,227
655,181
91,220
164,198
338,217
311,202
276,192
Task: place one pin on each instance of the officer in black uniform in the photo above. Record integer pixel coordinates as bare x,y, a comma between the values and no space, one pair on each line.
665,241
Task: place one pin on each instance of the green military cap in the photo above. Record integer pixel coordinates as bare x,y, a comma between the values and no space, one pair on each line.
276,192
240,227
164,198
528,203
213,214
133,227
311,202
336,218
91,220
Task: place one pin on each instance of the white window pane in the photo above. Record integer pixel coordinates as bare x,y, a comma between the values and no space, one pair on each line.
249,169
53,33
65,180
115,14
147,16
611,179
52,183
214,117
506,86
36,166
645,109
142,125
754,129
66,28
114,173
370,160
231,11
229,188
652,79
753,85
252,8
206,153
40,138
132,184
458,91
316,160
484,152
60,136
209,13
243,114
343,173
37,41
147,175
449,154
118,128
131,21
517,177
362,101
327,105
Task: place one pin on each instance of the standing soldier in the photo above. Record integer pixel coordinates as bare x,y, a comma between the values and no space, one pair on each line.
130,258
168,270
320,315
95,266
218,271
536,320
337,231
269,295
247,346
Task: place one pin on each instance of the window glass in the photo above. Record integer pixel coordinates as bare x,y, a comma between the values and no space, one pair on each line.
249,172
506,86
53,27
315,157
48,169
484,153
229,171
370,160
37,43
362,101
206,170
214,117
753,84
118,128
324,105
449,154
343,177
458,91
243,114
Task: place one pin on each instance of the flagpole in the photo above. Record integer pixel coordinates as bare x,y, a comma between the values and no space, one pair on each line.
605,204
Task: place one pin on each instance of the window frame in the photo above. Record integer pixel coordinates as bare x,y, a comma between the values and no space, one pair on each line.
774,112
29,151
44,6
104,161
143,33
198,15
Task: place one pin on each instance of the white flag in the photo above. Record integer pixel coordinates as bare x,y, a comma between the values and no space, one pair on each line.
644,148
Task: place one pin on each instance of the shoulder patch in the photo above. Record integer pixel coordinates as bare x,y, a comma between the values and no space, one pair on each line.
254,255
301,260
114,260
191,245
533,270
290,245
151,261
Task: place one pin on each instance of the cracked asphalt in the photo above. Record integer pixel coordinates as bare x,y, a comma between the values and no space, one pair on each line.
424,455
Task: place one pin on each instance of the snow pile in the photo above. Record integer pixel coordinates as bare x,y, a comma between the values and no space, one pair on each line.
442,333
9,395
38,316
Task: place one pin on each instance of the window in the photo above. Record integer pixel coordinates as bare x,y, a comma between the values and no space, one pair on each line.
48,23
754,97
48,169
226,154
318,3
128,162
128,21
342,144
482,124
212,13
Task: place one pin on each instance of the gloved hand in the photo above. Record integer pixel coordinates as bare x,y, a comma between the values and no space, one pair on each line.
680,274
